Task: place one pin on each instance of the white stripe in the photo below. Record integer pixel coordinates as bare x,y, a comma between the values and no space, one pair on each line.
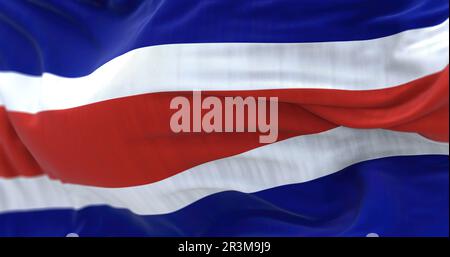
350,65
294,160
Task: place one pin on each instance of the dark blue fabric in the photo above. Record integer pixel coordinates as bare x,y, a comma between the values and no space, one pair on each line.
395,196
73,38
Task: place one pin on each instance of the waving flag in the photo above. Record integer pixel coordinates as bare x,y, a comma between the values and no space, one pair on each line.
86,145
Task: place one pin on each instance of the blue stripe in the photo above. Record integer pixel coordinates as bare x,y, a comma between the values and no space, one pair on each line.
73,38
395,196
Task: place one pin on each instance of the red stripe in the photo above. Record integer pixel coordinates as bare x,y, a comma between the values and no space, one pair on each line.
128,141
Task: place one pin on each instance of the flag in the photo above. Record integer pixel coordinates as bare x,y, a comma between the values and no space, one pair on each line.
87,149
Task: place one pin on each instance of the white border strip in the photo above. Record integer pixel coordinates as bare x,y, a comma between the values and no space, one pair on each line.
294,160
350,65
